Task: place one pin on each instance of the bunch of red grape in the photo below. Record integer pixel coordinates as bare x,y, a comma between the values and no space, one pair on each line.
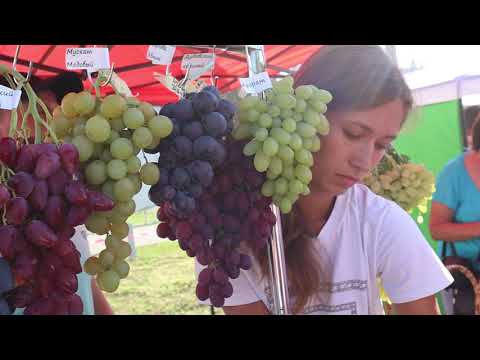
231,214
42,200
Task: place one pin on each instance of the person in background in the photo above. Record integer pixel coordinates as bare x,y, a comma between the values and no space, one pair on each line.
51,92
470,115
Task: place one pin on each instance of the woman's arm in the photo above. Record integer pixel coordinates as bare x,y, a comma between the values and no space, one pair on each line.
425,306
100,303
256,308
443,228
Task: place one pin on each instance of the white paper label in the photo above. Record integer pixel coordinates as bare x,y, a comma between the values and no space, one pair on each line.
119,84
170,83
256,83
199,64
90,59
9,98
161,54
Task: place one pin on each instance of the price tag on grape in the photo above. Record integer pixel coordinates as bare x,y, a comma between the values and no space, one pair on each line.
257,83
199,64
161,54
90,59
170,83
9,98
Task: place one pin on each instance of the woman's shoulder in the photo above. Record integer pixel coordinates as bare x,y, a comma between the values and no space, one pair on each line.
457,163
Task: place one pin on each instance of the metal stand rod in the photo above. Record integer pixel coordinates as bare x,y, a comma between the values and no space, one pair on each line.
276,256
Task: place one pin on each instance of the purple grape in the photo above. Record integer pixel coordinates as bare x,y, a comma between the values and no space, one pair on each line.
183,147
4,195
39,196
25,159
69,157
180,178
71,261
25,265
213,90
47,165
209,149
202,292
76,193
75,305
8,151
55,211
227,290
183,110
245,262
63,248
233,271
22,183
227,109
167,110
40,307
57,182
21,296
98,201
183,204
50,264
67,281
77,215
154,194
216,295
17,211
40,234
168,192
196,190
201,172
6,276
193,130
220,276
163,178
8,234
215,124
205,102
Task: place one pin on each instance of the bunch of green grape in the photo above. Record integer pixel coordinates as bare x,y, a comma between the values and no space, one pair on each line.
109,134
285,130
409,185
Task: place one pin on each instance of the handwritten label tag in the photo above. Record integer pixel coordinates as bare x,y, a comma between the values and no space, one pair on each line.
118,84
257,83
161,54
90,59
9,98
199,64
170,83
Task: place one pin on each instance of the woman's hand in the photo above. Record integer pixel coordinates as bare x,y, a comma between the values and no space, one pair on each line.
443,227
100,303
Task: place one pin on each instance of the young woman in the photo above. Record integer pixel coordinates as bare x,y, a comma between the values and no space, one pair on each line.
342,237
51,92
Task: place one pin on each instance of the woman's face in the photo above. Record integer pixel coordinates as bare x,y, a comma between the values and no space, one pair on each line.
356,143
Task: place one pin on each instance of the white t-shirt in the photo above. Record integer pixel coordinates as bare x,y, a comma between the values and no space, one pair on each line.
366,237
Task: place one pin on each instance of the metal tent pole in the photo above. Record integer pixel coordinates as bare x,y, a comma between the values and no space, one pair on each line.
276,256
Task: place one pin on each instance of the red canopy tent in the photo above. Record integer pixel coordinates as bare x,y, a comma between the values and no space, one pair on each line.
132,65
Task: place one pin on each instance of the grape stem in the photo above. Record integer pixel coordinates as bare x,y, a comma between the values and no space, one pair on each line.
145,157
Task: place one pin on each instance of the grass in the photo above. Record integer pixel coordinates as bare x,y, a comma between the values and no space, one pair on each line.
161,281
144,217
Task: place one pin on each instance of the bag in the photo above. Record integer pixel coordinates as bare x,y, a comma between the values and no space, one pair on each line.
464,287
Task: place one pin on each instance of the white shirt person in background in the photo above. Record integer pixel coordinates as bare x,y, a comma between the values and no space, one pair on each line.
342,237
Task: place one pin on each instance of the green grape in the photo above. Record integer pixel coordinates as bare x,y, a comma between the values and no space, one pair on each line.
116,169
155,142
280,135
108,281
295,186
303,173
150,174
114,135
286,153
241,132
297,117
106,258
123,189
251,148
323,127
136,181
243,117
133,118
271,175
96,172
142,137
285,101
121,149
268,188
261,134
281,186
107,188
118,218
286,113
276,199
277,122
321,95
79,127
270,147
305,130
132,101
160,126
67,139
113,106
295,142
308,143
122,268
93,266
98,129
274,111
67,105
289,125
261,161
120,230
265,121
84,146
117,124
316,144
133,165
261,106
111,242
318,106
84,103
147,110
97,150
292,197
288,172
300,106
61,126
306,190
304,92
97,224
275,166
247,102
123,250
125,208
253,115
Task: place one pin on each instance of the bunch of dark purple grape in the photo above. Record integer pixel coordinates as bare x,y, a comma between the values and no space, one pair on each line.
42,200
190,154
231,212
